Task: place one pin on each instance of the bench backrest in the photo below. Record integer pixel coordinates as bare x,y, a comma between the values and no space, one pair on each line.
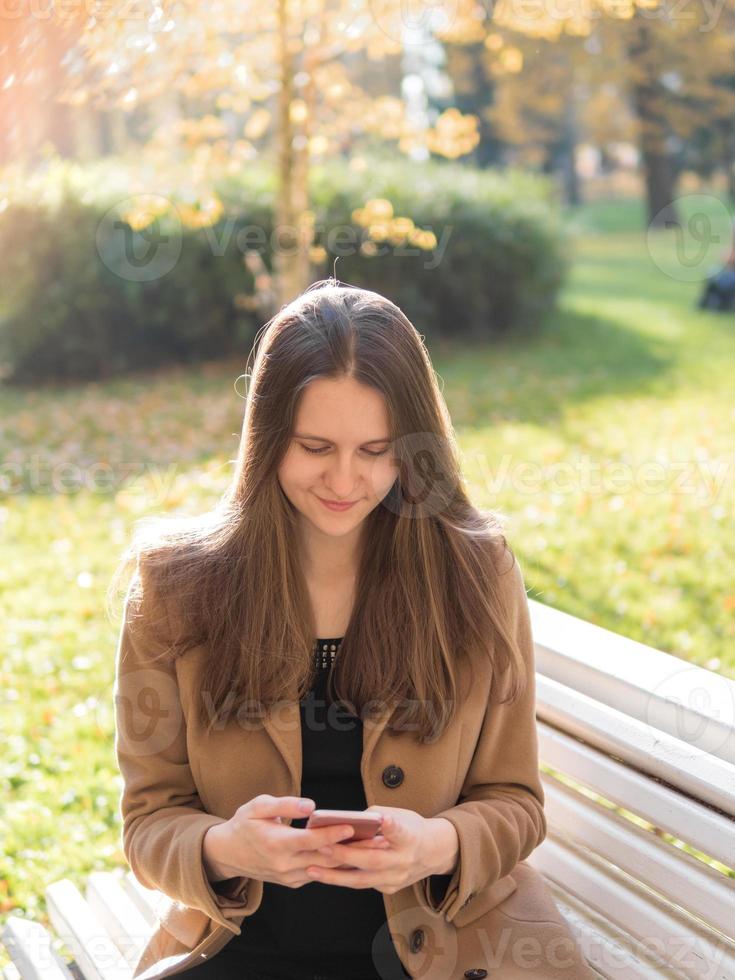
637,753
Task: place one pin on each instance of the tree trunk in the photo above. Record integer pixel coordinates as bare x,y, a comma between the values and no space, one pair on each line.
88,133
728,161
119,133
648,98
572,189
290,257
660,189
474,92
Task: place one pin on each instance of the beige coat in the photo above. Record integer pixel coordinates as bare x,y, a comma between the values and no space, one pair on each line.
497,915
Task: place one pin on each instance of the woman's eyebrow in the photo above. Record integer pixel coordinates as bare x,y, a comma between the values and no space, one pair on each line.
304,435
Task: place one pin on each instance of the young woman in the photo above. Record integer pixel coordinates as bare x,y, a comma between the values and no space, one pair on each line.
347,628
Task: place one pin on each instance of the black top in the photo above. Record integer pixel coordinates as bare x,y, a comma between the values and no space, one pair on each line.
319,928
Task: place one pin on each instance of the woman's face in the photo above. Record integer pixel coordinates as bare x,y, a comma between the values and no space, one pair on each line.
339,451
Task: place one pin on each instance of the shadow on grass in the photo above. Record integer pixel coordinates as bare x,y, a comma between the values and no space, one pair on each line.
576,357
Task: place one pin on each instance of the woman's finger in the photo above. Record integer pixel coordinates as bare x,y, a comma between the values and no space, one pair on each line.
365,858
369,843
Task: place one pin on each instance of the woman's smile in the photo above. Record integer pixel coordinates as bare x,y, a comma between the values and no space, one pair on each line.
337,506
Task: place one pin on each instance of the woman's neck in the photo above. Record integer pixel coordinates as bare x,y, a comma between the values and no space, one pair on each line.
330,561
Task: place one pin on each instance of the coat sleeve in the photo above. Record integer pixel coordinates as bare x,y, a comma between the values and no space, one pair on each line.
163,819
500,818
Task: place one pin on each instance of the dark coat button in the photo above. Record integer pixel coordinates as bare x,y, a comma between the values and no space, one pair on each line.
417,940
393,776
476,974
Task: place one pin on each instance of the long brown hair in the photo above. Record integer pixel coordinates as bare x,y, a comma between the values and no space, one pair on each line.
427,591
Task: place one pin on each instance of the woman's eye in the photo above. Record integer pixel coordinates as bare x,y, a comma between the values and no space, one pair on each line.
323,449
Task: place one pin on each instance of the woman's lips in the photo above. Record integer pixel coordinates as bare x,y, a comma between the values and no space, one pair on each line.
338,507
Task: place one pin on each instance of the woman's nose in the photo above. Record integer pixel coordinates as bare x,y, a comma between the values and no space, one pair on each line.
343,477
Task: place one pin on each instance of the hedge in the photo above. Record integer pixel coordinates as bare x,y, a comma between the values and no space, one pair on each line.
79,297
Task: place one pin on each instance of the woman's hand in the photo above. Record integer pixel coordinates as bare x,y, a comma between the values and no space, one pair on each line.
413,847
256,843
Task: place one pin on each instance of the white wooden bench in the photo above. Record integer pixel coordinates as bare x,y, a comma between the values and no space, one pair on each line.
104,930
650,734
654,737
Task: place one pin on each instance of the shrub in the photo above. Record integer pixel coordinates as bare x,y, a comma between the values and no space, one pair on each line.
505,257
78,301
66,314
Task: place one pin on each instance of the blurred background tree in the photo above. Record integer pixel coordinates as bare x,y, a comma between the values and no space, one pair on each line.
672,64
304,80
287,79
639,91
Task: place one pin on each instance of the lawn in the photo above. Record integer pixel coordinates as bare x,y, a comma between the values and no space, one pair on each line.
607,442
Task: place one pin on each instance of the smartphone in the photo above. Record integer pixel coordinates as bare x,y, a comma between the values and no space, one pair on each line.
364,825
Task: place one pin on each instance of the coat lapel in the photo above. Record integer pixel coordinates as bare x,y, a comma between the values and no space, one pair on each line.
284,728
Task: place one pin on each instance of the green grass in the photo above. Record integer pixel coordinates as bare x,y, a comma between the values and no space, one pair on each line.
609,444
624,374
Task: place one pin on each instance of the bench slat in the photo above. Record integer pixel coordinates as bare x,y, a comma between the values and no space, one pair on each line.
29,946
671,694
684,818
686,767
608,950
664,867
92,946
145,898
662,934
118,913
